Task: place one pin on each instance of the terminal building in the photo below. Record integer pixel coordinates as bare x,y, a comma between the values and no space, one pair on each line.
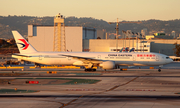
165,46
59,37
41,37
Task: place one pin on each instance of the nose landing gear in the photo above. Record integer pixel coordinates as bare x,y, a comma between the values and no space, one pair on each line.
159,70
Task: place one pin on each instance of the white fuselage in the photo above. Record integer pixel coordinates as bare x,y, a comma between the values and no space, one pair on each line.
123,59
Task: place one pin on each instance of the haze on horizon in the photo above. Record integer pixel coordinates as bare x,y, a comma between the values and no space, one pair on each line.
108,10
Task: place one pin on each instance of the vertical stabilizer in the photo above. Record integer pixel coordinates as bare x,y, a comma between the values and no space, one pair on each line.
23,45
132,50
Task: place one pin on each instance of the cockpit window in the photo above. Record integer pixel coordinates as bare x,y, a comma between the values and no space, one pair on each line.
167,57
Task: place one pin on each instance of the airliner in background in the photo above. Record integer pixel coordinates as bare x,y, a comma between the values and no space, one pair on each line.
127,49
106,60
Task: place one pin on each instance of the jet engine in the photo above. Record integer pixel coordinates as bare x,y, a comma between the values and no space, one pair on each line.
107,65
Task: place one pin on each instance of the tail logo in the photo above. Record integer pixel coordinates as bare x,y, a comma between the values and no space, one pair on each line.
24,44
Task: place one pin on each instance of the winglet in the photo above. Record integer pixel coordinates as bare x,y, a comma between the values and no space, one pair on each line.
23,45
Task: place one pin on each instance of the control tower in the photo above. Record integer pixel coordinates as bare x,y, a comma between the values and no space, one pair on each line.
59,34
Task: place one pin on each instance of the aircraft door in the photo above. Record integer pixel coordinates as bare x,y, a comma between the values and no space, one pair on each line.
134,57
157,59
99,57
40,57
69,58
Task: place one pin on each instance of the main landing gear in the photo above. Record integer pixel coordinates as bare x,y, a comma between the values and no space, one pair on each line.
159,70
37,65
90,69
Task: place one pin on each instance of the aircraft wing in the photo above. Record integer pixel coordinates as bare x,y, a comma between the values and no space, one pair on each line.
84,59
21,55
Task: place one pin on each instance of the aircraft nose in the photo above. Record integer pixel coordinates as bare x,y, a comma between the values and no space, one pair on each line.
170,60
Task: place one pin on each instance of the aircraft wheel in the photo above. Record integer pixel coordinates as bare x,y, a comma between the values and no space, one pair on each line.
159,70
94,69
89,69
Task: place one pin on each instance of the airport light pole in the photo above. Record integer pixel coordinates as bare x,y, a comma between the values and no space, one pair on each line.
117,33
124,37
117,29
143,42
129,38
137,42
140,43
133,40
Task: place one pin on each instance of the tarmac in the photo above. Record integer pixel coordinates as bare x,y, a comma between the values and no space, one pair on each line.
75,88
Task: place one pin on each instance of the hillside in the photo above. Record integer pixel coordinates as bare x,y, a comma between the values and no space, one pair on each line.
8,23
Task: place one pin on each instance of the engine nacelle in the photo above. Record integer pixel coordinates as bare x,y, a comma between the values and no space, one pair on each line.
108,65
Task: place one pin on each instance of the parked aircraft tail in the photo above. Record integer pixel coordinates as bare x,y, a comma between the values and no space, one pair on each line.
127,49
121,50
23,45
132,50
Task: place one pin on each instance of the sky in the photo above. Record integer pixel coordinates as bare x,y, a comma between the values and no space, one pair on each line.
108,10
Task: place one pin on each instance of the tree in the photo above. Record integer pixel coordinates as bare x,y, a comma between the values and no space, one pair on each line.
2,42
177,49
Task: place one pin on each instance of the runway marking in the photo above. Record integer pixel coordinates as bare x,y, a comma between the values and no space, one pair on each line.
170,83
80,89
71,102
139,90
100,92
111,72
108,84
122,84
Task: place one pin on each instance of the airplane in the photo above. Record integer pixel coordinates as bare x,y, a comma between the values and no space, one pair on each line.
132,50
127,49
106,60
124,49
